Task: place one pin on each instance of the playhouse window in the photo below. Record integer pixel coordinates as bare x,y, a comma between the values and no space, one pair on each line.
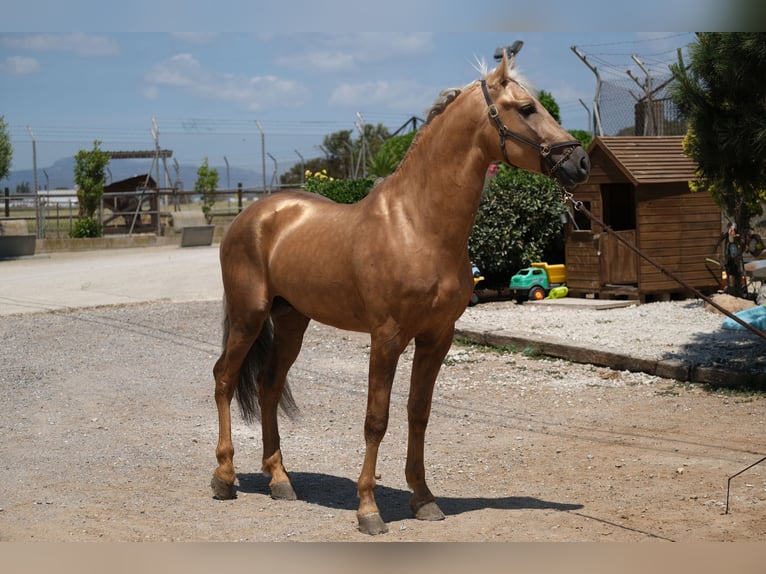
619,206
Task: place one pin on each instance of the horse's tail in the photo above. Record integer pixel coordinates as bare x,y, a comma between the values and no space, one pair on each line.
247,387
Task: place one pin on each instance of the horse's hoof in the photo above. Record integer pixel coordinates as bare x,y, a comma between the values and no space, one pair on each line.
429,511
372,524
283,491
222,490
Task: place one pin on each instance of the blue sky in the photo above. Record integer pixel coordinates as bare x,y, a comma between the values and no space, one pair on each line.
206,90
81,70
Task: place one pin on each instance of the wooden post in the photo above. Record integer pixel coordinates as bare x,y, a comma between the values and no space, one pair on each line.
239,197
7,202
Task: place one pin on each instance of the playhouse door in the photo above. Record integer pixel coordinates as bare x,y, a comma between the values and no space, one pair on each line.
619,264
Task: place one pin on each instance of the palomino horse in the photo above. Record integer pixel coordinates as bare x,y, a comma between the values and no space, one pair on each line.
295,256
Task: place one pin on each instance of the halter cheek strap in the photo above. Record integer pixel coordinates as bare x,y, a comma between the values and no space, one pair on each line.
545,149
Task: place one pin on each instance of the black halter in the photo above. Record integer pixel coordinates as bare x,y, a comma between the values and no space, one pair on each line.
546,161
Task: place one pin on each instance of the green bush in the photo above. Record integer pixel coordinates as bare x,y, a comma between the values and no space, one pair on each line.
85,227
206,184
339,190
518,222
90,178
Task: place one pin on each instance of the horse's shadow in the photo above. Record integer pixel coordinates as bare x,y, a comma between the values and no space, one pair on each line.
340,493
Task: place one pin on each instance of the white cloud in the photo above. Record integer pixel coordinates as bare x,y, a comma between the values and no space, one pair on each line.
19,65
325,61
252,93
400,95
80,44
336,52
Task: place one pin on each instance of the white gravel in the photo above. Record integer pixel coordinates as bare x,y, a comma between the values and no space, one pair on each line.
678,330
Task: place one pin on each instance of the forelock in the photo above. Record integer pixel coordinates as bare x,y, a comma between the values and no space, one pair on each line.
514,73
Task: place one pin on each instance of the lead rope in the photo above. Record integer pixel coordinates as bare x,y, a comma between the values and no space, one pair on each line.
579,206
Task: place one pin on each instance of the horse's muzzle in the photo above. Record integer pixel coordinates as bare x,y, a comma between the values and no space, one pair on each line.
572,167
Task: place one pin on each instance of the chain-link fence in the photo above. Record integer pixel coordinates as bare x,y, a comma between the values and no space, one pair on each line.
627,109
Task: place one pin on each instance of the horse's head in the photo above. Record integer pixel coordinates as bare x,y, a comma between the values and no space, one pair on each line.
529,136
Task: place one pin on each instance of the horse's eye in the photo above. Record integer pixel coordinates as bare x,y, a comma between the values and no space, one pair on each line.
527,110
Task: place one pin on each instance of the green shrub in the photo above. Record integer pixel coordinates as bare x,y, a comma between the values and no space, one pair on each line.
206,184
518,222
85,227
339,190
90,178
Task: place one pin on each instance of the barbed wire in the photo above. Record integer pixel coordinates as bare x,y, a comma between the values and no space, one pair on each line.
635,99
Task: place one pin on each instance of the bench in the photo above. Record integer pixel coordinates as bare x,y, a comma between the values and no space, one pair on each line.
15,239
194,229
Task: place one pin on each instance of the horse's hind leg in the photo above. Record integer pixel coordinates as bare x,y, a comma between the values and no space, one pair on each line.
239,338
289,327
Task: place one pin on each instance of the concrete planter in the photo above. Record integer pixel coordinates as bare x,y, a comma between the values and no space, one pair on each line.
197,235
12,246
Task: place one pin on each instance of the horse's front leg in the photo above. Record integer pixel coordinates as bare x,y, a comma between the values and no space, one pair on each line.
384,356
429,354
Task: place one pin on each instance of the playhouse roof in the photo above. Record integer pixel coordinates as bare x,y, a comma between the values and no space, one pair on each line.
645,159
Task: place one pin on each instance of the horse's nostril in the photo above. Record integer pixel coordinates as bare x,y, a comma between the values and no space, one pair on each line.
584,165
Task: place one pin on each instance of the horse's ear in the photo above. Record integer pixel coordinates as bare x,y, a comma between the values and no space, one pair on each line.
501,74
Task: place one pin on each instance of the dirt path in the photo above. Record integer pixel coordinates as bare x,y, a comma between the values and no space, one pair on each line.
108,433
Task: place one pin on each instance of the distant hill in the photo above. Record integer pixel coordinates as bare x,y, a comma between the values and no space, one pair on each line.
60,175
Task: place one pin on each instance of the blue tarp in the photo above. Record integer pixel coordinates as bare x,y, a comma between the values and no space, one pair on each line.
755,316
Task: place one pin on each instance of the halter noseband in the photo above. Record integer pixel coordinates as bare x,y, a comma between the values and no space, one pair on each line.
545,149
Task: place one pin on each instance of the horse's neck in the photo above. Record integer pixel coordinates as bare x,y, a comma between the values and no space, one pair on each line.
440,182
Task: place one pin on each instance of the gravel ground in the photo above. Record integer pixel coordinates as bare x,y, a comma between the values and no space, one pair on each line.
108,430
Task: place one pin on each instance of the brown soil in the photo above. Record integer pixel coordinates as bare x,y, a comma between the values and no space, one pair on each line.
108,433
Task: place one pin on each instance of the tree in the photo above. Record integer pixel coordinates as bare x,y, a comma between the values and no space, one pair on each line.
342,151
550,104
337,148
390,155
6,149
341,155
723,97
206,184
89,176
582,136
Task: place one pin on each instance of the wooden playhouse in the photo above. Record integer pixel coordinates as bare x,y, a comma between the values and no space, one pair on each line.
639,187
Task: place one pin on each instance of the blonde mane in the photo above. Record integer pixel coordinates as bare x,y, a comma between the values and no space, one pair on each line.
447,95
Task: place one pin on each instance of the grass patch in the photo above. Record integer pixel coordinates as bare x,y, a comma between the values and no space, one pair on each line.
529,352
500,350
743,391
